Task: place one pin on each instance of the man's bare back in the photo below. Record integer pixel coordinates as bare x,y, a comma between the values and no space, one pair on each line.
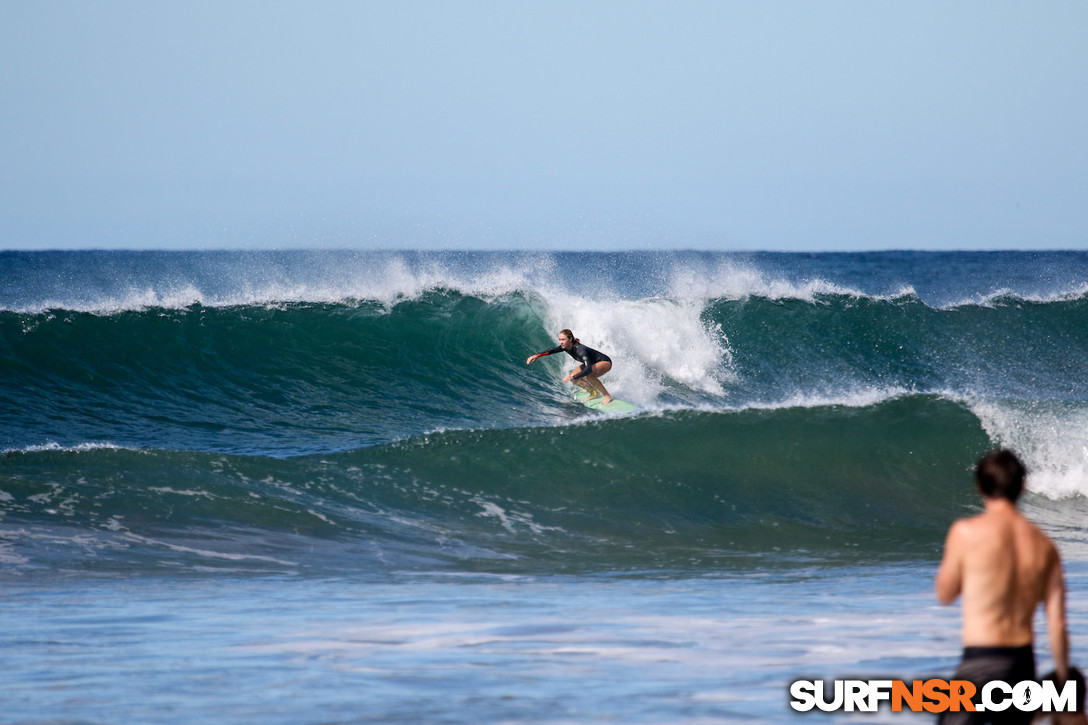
1004,567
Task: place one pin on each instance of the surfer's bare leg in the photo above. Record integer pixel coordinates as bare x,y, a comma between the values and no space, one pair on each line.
600,369
590,382
583,382
597,387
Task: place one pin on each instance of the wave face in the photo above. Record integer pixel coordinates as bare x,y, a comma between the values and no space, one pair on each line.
247,409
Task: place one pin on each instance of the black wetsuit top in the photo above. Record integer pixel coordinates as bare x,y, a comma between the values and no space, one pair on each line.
585,355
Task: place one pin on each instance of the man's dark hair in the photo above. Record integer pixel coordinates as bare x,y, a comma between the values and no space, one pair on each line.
1000,475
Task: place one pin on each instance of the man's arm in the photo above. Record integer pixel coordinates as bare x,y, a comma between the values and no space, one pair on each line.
949,581
1055,619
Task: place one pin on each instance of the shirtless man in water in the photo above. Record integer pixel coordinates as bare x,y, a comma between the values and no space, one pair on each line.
1004,567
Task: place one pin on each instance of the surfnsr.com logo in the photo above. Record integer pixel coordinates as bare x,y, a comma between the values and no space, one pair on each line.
932,696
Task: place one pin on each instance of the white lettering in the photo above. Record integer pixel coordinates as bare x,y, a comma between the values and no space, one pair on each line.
867,695
989,702
1027,696
804,695
856,691
1053,701
823,704
879,690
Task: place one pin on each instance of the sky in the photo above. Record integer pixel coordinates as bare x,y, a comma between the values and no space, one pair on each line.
808,125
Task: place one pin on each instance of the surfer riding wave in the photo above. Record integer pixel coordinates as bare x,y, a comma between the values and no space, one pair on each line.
594,364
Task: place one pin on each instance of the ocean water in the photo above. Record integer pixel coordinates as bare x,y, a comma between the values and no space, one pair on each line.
317,487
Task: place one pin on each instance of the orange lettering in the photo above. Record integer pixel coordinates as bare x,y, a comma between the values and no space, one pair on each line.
935,690
912,695
961,692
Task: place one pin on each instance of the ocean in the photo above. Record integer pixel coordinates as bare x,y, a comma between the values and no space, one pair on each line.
324,487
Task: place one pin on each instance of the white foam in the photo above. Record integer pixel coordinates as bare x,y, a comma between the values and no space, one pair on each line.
652,342
861,397
207,553
389,278
991,299
51,446
510,520
732,280
183,492
386,278
1051,439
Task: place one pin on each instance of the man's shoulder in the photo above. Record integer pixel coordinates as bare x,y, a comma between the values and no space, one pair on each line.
970,524
1029,526
961,534
990,526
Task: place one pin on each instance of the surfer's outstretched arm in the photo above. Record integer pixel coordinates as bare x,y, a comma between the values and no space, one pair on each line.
557,348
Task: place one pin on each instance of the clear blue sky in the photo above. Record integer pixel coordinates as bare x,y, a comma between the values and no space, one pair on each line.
521,124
